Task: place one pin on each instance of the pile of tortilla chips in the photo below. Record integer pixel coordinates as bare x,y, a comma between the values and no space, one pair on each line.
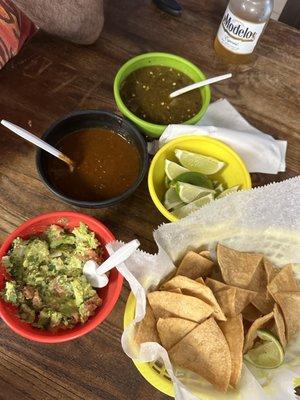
208,314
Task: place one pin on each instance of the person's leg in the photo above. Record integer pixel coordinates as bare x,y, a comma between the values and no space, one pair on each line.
79,21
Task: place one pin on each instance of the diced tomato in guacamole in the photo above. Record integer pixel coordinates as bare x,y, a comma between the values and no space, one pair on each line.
48,285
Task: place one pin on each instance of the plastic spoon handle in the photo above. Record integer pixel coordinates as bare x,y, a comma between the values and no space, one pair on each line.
36,141
199,84
118,257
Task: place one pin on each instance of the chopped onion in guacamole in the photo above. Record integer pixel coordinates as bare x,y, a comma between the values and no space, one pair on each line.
47,282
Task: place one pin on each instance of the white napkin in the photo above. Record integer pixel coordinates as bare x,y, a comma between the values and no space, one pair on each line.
260,152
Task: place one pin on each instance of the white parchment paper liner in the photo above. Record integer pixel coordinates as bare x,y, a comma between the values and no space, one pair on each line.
266,220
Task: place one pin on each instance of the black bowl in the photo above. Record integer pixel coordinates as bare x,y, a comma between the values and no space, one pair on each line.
91,119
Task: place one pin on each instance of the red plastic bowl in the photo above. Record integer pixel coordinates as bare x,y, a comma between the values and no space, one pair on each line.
109,294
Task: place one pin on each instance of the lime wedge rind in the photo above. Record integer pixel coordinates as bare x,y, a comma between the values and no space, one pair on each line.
219,189
267,355
194,178
167,182
172,200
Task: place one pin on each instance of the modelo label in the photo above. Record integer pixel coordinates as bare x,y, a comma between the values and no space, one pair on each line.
237,35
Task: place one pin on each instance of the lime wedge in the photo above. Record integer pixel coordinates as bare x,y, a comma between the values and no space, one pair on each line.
198,162
268,353
189,193
172,169
228,191
183,211
219,189
194,178
172,199
167,182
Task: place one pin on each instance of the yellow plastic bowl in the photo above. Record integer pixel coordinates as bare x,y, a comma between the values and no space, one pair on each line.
156,376
234,173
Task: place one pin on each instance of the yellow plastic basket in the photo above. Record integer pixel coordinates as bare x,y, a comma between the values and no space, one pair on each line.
154,373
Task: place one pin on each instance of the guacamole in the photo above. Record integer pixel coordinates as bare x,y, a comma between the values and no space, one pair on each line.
47,282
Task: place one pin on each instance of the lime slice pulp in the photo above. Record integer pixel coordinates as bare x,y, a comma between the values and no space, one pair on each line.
172,169
189,193
199,163
194,178
268,353
183,211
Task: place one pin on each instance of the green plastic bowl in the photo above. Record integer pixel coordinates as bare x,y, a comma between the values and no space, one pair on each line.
168,60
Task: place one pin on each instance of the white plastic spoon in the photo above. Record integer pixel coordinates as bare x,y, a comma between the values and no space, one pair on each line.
37,142
199,84
96,274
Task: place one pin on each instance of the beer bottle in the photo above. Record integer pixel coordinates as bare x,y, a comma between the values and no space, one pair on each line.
240,29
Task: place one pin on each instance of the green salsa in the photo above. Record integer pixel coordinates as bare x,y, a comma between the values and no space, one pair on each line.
47,281
146,93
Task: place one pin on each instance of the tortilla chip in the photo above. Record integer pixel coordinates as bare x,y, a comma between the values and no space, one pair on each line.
284,281
200,280
271,272
233,302
279,325
233,331
289,303
258,281
166,304
216,285
243,298
173,290
146,329
205,351
251,313
206,254
237,267
247,325
190,287
252,332
193,265
172,330
263,303
216,274
226,299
